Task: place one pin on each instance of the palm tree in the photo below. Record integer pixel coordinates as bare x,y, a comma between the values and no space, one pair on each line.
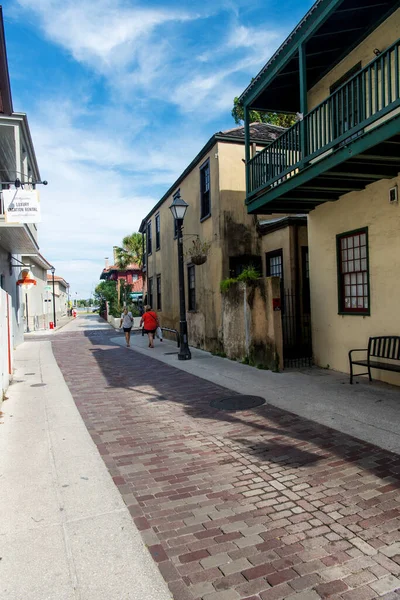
130,252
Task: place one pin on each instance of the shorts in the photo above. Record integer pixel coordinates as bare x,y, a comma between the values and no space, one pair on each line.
126,329
149,331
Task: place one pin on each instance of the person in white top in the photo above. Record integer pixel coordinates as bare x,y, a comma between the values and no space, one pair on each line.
126,322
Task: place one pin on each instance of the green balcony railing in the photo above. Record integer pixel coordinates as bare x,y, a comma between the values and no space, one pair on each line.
368,96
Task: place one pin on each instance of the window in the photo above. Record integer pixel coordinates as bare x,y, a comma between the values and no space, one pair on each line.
158,232
274,264
150,291
149,244
192,287
237,264
144,246
205,204
158,292
353,272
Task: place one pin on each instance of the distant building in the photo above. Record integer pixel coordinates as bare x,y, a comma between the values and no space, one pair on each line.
132,275
17,164
61,293
38,300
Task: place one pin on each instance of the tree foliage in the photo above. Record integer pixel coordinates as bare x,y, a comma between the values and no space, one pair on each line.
281,119
106,291
131,251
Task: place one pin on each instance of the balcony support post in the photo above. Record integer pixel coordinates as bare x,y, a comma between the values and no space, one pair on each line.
247,146
303,101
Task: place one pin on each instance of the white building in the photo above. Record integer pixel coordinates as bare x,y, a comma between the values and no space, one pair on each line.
18,166
37,301
61,296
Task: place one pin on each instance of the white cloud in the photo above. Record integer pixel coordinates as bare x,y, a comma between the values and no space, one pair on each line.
109,159
103,180
112,38
257,39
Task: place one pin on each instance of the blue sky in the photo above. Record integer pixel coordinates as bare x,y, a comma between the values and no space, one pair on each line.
120,96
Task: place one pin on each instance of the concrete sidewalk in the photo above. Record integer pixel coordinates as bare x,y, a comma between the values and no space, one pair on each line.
370,412
65,532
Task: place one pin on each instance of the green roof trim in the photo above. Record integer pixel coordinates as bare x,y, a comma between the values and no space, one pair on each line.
276,86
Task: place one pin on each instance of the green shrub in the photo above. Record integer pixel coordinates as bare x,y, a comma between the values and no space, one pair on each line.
249,275
226,284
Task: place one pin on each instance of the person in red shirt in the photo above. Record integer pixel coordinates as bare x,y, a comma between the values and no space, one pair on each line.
150,322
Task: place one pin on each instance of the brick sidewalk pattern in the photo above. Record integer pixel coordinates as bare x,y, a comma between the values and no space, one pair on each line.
256,505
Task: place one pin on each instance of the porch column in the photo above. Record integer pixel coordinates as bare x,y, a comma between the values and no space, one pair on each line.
247,147
303,100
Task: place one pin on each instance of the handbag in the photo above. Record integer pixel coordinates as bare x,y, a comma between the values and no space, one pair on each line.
159,333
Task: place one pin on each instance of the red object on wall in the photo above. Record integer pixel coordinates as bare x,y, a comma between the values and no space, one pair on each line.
276,303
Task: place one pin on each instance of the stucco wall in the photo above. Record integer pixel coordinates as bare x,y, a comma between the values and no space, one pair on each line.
251,329
334,335
231,231
10,286
38,309
204,322
383,36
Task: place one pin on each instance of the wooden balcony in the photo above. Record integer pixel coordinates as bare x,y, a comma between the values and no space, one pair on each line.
346,142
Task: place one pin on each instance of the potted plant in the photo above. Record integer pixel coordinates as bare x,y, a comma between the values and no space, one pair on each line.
198,251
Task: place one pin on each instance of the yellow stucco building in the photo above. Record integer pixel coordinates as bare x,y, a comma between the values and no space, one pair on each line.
339,70
214,186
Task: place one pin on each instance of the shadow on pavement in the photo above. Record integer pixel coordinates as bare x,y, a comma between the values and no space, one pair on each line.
266,433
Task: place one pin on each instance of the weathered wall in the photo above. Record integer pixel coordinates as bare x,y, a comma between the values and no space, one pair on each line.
204,322
251,330
383,36
231,231
333,334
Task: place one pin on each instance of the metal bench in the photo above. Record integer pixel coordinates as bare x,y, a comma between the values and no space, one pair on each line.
384,346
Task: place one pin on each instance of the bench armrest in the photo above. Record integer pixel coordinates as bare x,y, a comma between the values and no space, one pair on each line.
357,350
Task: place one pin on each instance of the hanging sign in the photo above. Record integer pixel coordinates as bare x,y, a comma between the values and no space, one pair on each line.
21,206
26,279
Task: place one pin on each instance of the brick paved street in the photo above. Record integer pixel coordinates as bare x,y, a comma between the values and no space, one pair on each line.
253,505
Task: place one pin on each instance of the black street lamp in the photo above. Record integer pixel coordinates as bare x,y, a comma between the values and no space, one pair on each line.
54,297
178,209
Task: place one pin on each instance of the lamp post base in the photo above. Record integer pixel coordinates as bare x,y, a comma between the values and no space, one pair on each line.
184,354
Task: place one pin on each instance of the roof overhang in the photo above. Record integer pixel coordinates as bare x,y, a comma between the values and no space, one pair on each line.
329,31
17,239
281,223
39,260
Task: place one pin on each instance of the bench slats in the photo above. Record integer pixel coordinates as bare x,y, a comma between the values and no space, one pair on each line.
385,347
